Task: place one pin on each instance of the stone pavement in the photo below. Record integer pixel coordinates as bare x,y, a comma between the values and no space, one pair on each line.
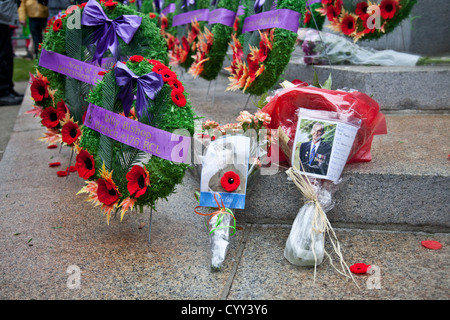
46,231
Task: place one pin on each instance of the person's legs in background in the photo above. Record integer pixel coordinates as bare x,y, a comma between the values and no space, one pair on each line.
7,94
37,26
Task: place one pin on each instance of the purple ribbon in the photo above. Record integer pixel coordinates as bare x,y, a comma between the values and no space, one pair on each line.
169,9
188,17
147,85
311,2
280,18
222,16
70,67
160,143
105,36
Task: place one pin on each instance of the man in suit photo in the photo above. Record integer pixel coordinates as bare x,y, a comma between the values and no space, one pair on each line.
315,154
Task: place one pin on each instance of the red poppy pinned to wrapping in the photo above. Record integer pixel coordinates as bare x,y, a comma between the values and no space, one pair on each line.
431,244
230,181
360,268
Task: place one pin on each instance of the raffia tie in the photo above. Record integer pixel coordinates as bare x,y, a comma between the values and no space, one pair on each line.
320,223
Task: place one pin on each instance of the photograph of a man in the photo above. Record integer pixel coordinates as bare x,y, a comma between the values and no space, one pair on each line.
314,155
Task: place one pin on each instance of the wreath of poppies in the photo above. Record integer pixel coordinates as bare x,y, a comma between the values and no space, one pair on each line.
212,45
182,40
53,94
118,176
258,70
358,23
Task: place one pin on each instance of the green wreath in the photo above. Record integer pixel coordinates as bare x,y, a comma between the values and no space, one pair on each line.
54,94
125,173
354,20
259,58
182,47
213,44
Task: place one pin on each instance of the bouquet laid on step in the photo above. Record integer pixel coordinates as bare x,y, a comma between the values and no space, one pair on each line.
227,158
319,132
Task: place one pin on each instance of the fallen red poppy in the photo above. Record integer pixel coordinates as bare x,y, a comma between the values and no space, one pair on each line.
62,173
360,268
431,244
52,146
71,169
54,164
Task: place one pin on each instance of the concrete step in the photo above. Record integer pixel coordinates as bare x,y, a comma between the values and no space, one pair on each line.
395,88
405,186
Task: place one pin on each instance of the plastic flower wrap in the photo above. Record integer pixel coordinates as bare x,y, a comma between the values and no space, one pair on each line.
323,48
227,157
320,131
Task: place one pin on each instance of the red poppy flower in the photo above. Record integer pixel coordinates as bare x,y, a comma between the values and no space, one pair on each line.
348,24
106,192
39,89
110,4
62,173
333,12
166,73
159,68
388,9
178,98
361,8
57,25
61,109
102,73
50,117
151,15
85,164
307,17
136,58
138,180
70,132
176,84
431,244
52,146
230,181
54,164
154,62
359,268
326,2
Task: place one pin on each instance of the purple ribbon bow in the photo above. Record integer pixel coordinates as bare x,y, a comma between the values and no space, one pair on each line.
147,85
159,4
258,5
187,3
105,36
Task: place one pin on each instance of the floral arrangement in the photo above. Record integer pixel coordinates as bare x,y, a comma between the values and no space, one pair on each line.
119,176
61,101
182,44
212,45
260,57
359,23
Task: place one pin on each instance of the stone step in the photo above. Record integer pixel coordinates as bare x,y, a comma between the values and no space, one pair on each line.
405,186
396,88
